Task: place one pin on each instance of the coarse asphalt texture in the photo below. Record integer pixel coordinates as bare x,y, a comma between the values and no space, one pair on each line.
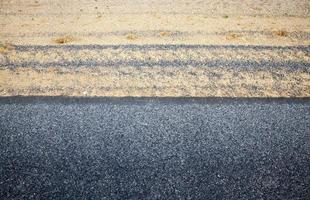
154,148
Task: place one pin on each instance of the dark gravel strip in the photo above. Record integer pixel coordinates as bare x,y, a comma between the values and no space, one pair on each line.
163,63
158,47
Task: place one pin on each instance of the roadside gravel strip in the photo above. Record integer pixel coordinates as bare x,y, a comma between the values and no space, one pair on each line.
155,70
154,148
293,57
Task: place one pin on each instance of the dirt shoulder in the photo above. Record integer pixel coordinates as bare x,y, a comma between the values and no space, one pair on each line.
156,29
228,22
155,48
210,8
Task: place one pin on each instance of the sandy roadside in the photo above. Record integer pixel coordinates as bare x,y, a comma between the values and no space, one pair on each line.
36,38
155,22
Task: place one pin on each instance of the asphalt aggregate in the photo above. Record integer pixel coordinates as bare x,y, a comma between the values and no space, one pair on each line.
154,148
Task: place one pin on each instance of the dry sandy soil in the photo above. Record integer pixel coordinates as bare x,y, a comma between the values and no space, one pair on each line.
56,70
268,22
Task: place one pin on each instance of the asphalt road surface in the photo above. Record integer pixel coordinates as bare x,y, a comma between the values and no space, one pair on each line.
146,148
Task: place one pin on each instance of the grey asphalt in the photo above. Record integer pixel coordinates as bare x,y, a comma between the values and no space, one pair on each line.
154,148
